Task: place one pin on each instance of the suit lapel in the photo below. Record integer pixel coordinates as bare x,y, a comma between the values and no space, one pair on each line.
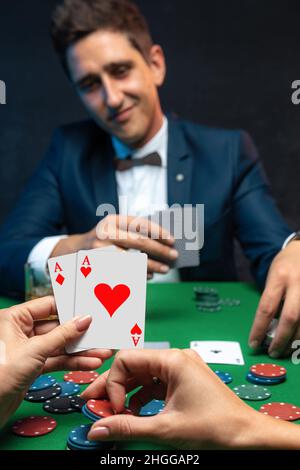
103,173
180,166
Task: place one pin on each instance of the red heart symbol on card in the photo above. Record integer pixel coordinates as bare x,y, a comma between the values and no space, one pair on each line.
110,298
85,271
136,330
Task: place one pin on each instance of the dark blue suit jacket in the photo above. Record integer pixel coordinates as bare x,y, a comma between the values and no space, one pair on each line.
221,170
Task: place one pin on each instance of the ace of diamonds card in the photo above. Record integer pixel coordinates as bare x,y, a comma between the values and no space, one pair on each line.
111,287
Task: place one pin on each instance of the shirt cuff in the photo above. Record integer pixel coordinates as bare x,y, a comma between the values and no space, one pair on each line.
39,255
287,241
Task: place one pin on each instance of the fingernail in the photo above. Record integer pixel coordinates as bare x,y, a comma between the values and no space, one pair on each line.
82,323
274,354
164,269
173,254
253,344
98,433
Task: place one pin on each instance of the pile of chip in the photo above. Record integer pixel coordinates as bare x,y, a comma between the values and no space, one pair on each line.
208,300
266,374
57,398
45,387
77,440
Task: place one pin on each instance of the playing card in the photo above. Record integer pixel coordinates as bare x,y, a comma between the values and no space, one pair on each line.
184,224
62,270
219,352
111,287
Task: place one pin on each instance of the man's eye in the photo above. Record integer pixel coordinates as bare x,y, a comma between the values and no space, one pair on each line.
89,87
121,72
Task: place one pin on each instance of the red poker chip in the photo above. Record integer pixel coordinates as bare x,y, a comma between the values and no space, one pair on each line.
81,376
103,408
280,410
268,370
34,426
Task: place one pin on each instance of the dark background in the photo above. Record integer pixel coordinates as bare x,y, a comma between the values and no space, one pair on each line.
230,64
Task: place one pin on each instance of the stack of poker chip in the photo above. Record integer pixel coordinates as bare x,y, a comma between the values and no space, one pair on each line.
208,300
98,409
270,334
266,374
77,440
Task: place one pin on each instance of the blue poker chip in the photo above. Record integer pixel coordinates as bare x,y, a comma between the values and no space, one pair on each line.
264,380
77,440
88,414
68,389
152,408
42,382
224,376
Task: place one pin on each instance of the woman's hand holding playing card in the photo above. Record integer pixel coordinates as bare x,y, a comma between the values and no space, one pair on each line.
29,348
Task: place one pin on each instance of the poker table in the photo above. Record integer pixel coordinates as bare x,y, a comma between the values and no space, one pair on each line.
172,316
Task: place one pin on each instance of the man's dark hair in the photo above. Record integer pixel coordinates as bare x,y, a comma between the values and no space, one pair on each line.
74,19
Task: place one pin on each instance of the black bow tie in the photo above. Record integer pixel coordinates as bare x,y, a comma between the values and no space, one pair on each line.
153,159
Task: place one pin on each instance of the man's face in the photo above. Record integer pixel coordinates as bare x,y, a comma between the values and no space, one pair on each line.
117,86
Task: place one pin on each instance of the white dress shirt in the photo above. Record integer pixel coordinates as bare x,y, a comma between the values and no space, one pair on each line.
142,190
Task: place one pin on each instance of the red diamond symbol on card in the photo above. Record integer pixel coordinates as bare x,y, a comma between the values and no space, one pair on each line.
60,279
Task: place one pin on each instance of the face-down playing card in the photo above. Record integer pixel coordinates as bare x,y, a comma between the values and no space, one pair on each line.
111,287
185,224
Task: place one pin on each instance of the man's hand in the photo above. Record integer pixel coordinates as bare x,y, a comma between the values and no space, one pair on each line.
282,286
29,349
125,233
200,412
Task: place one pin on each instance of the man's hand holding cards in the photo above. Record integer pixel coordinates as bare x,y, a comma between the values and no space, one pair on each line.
108,284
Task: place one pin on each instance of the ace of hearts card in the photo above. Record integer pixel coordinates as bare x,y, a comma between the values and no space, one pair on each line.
111,287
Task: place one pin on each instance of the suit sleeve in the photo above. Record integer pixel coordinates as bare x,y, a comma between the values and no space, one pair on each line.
258,224
38,214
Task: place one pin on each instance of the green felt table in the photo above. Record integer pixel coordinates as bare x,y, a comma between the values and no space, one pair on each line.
172,316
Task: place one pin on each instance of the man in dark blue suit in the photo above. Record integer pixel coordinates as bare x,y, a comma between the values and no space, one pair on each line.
106,49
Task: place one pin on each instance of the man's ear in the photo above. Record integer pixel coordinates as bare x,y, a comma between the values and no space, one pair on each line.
157,64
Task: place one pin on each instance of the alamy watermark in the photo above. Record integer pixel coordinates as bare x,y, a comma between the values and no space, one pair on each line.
296,354
296,94
182,222
2,92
